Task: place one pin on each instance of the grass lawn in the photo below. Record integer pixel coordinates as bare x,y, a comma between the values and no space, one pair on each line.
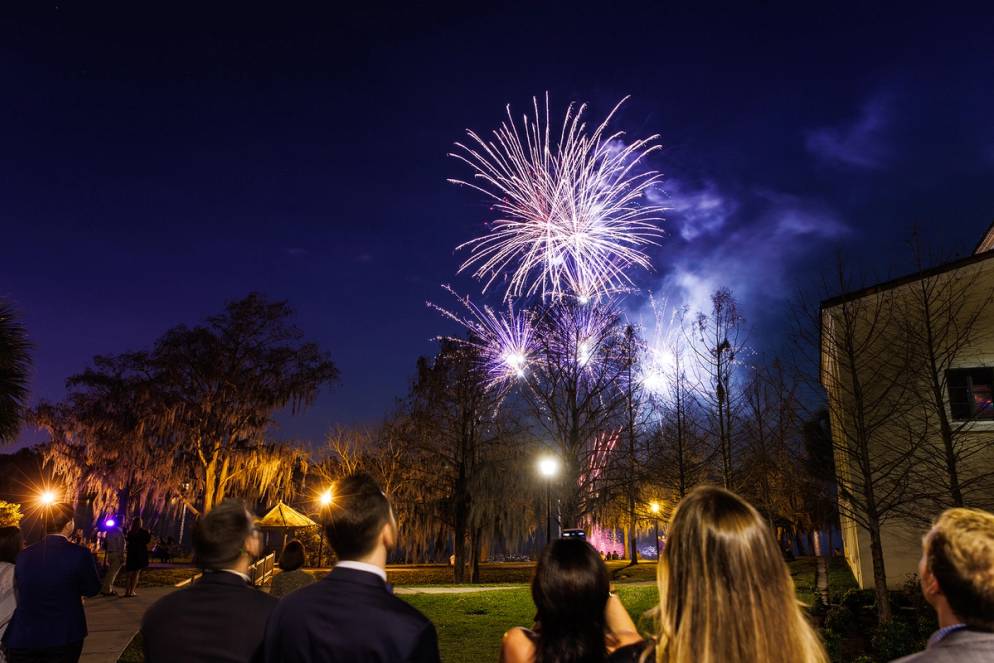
470,625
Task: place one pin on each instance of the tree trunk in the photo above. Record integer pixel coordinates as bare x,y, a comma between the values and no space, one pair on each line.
821,568
475,555
459,537
879,573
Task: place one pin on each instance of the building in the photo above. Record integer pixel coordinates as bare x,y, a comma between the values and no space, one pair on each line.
908,367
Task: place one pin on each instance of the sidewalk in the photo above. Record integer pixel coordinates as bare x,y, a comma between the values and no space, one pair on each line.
113,621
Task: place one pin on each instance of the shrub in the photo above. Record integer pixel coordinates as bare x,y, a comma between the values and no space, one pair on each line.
841,620
893,639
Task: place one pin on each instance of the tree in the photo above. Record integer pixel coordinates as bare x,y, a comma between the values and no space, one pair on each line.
10,514
941,314
716,342
188,419
15,367
865,372
572,389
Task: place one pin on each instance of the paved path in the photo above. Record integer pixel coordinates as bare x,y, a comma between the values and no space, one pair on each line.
113,621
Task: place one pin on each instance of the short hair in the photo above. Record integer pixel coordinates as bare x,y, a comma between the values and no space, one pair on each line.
292,557
59,515
960,554
10,544
219,537
359,513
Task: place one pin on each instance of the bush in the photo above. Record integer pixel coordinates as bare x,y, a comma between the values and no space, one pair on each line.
893,639
854,599
841,620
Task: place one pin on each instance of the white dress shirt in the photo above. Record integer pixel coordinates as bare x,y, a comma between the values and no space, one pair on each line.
363,566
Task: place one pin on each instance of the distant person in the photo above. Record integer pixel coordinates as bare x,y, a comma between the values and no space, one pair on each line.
10,546
114,543
956,572
578,619
50,576
725,591
351,615
293,575
221,617
137,559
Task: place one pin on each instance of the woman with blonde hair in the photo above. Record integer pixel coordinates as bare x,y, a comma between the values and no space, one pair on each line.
725,592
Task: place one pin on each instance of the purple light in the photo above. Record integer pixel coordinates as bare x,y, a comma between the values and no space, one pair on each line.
110,522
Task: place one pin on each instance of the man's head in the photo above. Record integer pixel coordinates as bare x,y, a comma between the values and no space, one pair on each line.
361,524
957,566
226,538
59,519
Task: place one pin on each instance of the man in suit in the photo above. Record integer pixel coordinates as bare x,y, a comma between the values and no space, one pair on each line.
221,617
957,579
351,615
51,577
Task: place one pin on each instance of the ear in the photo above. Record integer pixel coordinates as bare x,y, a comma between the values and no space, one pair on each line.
388,535
930,584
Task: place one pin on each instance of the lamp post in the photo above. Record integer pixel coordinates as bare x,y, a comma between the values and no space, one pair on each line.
654,507
325,501
548,467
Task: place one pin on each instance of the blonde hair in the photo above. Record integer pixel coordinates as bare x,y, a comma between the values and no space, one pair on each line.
724,590
960,554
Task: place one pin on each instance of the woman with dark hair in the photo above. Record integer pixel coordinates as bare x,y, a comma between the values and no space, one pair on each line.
10,546
137,557
578,619
293,575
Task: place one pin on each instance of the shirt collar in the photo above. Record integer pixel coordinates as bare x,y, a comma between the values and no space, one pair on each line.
943,632
237,573
363,566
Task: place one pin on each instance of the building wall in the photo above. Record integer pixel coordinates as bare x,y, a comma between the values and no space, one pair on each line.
901,538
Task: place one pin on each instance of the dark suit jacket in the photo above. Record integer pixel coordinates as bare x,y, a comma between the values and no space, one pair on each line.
218,618
966,646
50,577
349,616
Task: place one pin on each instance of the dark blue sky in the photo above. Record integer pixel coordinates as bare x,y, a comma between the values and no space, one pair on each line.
156,165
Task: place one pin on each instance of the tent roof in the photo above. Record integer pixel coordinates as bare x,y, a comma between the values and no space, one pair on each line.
282,515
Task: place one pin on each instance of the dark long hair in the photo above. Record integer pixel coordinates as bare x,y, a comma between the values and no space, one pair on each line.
570,590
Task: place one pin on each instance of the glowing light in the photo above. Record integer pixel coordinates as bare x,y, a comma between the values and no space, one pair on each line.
325,498
654,507
504,342
47,497
110,522
570,213
548,466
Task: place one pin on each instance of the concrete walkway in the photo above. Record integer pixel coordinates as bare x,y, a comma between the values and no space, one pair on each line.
113,621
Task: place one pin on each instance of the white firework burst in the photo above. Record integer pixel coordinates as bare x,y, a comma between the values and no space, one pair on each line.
572,215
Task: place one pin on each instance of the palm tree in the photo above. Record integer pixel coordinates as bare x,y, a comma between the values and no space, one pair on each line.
15,363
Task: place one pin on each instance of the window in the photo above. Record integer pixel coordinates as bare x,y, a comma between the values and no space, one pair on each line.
971,391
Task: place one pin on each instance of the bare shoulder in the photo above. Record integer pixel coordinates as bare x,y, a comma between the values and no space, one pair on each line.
517,646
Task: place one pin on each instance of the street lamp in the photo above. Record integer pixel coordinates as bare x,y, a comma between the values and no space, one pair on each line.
47,497
324,499
654,507
548,467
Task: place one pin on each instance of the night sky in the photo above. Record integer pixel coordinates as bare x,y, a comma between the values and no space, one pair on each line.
155,165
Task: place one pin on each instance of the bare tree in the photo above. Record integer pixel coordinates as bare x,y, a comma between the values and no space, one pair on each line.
15,363
572,389
942,313
716,341
865,371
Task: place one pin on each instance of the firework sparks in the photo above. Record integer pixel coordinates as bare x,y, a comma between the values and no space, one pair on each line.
661,362
570,219
504,341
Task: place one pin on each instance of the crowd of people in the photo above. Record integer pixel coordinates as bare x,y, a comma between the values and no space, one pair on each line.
725,594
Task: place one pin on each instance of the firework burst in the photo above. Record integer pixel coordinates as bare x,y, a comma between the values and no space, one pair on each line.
660,364
570,213
503,341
